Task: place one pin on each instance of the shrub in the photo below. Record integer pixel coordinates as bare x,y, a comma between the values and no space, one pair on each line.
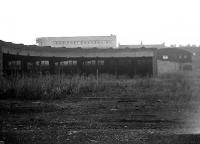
49,87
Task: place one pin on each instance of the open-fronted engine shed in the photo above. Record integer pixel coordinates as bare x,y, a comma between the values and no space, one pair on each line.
33,59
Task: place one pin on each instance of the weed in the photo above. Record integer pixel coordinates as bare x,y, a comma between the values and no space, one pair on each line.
172,86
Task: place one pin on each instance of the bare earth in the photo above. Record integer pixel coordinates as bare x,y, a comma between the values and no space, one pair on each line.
97,121
106,120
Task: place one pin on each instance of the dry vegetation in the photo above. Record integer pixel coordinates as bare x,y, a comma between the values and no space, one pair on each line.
78,109
50,87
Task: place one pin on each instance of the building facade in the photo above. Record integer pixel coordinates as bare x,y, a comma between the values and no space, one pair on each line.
22,59
173,60
80,41
158,46
175,55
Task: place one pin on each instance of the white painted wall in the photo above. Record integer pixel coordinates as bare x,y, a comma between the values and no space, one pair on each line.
80,41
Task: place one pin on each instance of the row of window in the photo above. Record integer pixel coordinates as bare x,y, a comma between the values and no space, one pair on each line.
70,63
19,63
165,57
82,42
14,63
62,63
74,62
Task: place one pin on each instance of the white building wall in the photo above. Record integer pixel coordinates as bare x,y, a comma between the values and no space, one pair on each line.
82,41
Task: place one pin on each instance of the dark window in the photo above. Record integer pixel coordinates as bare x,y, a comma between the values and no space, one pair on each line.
68,63
100,62
91,62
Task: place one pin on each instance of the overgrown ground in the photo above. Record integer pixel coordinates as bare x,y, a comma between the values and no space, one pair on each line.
63,109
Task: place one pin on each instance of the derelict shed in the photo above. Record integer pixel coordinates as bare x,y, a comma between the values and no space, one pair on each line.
128,61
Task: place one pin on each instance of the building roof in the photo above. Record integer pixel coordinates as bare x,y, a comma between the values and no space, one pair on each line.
174,51
34,50
174,54
145,46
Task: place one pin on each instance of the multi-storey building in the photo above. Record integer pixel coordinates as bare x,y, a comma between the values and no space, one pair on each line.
158,46
80,41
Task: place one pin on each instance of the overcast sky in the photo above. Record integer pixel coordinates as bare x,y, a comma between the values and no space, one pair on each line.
133,21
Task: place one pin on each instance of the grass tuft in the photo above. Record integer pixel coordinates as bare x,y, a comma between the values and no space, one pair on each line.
50,87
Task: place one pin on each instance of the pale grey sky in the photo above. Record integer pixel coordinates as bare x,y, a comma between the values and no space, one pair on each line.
133,21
